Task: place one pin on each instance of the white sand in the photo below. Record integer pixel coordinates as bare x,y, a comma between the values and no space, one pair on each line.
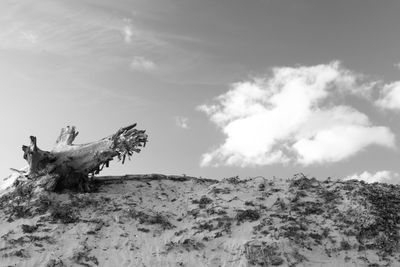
114,230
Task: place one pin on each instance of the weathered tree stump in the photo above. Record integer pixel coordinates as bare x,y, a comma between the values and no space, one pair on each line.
70,165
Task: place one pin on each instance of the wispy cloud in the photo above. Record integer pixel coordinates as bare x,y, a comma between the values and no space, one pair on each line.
73,29
62,28
182,122
140,63
97,35
293,116
380,176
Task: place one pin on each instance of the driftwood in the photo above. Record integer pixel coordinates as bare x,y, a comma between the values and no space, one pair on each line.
70,165
150,177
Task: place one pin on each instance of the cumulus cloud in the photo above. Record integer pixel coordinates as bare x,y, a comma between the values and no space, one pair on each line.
142,64
390,96
292,116
182,122
380,176
337,133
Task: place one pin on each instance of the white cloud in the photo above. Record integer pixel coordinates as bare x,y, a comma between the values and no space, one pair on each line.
128,33
292,116
31,37
397,65
337,133
380,176
390,96
142,64
182,122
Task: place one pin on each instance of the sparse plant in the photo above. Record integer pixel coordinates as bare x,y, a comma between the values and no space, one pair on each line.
294,232
261,253
301,182
261,187
249,203
29,228
247,215
344,245
205,226
280,203
55,263
298,257
188,244
317,237
63,213
82,257
350,232
325,232
43,203
233,180
145,218
203,201
329,196
82,200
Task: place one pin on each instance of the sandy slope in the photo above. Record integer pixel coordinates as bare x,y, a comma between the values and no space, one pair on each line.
196,222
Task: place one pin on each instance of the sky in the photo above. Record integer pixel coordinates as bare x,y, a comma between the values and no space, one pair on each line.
223,87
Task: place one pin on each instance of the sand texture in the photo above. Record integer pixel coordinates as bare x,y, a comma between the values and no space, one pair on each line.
198,222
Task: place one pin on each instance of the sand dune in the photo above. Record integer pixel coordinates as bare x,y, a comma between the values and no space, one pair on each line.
197,222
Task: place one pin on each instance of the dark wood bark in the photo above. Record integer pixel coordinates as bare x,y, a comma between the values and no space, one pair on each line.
69,165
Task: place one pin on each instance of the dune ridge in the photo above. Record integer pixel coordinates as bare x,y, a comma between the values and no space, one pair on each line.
169,220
